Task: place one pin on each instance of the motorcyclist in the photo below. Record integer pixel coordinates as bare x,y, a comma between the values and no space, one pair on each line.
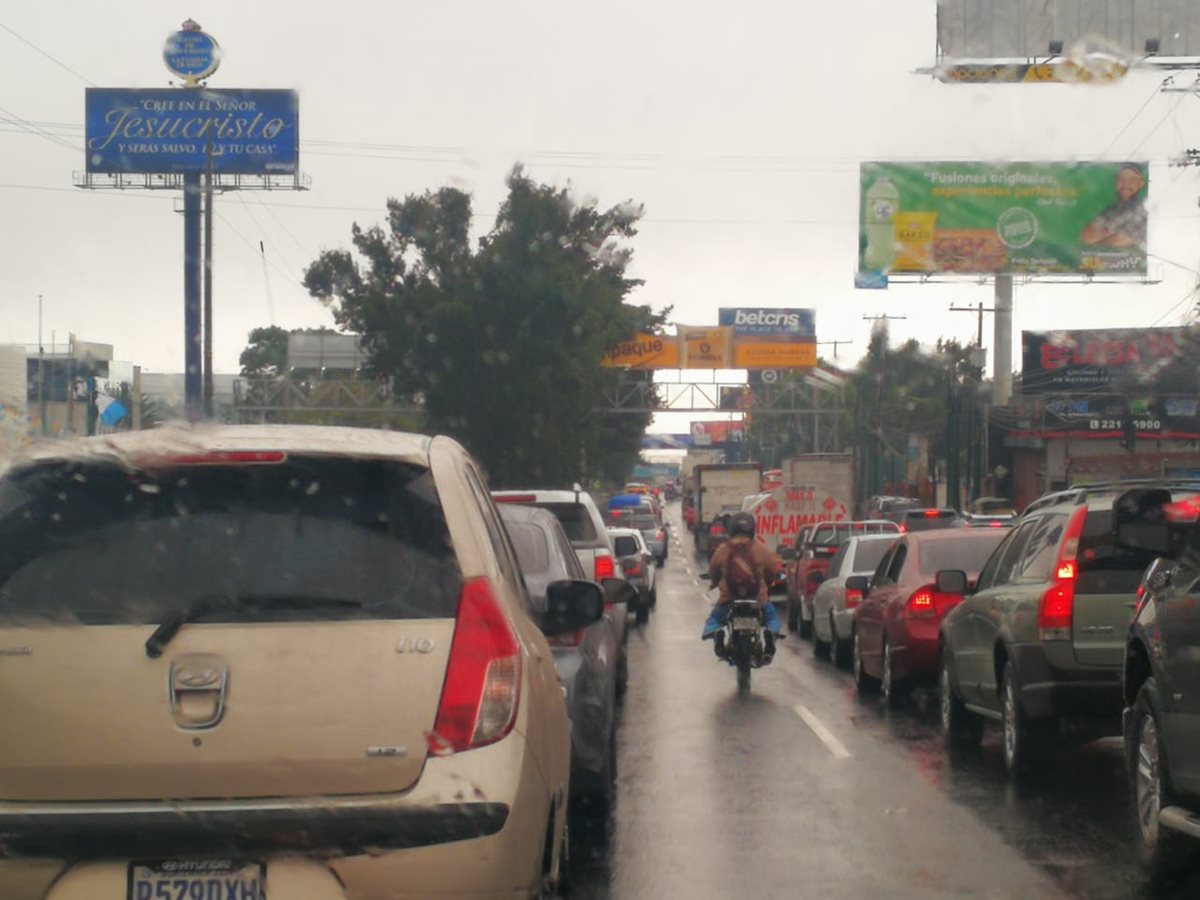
767,566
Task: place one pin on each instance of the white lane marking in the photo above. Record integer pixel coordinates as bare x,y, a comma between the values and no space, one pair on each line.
836,747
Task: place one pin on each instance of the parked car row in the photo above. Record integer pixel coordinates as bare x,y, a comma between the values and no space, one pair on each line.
1079,620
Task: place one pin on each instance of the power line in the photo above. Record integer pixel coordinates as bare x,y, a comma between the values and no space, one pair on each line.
1154,93
54,59
40,132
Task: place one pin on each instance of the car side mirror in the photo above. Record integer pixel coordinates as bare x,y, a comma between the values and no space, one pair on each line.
951,581
618,590
788,554
860,583
571,605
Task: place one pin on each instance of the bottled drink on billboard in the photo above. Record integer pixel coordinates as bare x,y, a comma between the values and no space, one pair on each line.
883,202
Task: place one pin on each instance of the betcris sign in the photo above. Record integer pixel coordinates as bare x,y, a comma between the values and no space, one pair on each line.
765,321
171,130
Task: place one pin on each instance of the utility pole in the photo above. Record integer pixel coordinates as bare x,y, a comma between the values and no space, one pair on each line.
835,344
874,449
1002,342
976,415
208,285
41,370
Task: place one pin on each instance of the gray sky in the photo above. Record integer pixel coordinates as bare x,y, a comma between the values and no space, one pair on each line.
740,126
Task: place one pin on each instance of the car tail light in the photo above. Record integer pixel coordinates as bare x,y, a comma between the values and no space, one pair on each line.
927,602
225,457
932,513
515,498
903,528
853,598
570,639
1182,511
1057,608
631,567
716,529
604,565
483,675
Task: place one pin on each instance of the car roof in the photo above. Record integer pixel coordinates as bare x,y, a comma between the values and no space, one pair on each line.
1102,494
624,532
547,496
953,534
181,439
534,515
885,536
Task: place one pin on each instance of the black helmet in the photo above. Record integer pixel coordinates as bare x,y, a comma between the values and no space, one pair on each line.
741,523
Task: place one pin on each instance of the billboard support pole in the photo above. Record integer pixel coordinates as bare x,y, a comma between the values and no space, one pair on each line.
191,296
1002,341
208,285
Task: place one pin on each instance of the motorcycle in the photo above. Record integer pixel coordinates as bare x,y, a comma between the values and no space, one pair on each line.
743,642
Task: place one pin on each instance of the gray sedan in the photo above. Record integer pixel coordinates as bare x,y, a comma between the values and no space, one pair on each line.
588,661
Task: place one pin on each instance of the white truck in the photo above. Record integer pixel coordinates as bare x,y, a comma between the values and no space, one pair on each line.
721,488
830,473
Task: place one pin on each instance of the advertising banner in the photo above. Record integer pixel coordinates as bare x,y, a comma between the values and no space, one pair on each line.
984,218
781,514
749,354
163,131
773,322
1111,360
645,351
705,347
705,434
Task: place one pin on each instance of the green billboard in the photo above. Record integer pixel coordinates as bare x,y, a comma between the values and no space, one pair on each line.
1021,217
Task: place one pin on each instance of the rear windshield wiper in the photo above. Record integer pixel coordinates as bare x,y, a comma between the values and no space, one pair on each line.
165,632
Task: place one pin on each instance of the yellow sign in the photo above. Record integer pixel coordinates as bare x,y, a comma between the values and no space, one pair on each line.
759,354
645,351
1092,71
705,347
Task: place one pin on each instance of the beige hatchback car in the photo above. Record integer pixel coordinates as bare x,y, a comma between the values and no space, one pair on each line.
228,646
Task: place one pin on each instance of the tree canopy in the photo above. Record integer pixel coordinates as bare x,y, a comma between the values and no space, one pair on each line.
499,338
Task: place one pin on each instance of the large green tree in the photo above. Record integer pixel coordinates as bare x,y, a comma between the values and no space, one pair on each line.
499,338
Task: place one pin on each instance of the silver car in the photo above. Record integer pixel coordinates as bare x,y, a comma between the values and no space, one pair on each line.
587,659
833,604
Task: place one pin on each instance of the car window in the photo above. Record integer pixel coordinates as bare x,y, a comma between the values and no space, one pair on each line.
1104,566
1010,560
1041,551
868,554
835,564
879,577
967,554
568,556
626,545
99,544
896,566
505,555
987,576
530,543
575,519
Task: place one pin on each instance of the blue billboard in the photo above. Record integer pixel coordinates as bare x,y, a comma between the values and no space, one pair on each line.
169,130
770,321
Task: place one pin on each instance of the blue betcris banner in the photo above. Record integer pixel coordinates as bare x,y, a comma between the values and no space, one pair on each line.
763,321
161,131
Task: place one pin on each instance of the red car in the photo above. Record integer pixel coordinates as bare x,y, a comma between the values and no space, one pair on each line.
895,634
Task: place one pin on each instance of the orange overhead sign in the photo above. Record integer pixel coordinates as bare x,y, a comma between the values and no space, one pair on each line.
705,347
760,354
646,351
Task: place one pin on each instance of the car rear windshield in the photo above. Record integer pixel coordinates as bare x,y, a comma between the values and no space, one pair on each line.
624,545
530,543
967,553
576,521
298,539
1106,567
641,523
868,554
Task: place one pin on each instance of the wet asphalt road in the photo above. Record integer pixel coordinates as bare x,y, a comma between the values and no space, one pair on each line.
802,788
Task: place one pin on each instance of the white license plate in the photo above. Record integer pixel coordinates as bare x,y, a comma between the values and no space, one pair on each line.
196,879
745,625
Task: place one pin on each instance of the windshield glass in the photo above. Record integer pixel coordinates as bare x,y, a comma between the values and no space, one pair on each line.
96,543
965,554
576,520
868,554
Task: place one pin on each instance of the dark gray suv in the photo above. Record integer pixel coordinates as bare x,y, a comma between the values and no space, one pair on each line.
1039,644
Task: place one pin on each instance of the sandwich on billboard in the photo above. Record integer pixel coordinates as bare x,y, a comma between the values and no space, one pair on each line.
986,218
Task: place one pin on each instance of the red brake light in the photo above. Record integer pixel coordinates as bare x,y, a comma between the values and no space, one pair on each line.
604,565
1057,609
903,528
995,524
716,529
483,675
932,513
853,598
920,604
1185,510
515,498
631,567
570,639
222,457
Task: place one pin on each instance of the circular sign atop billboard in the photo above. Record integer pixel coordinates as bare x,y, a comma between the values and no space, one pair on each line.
191,54
769,376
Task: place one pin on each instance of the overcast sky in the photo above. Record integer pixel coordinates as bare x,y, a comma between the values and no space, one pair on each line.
739,125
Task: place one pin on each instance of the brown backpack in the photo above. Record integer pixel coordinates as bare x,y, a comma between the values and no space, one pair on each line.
742,575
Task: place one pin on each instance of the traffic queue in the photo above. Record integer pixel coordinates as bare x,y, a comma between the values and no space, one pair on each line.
1076,620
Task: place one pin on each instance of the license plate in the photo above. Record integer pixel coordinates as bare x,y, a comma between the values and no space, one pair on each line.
745,625
196,879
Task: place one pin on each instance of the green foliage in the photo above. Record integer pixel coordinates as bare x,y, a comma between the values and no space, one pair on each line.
499,339
266,349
